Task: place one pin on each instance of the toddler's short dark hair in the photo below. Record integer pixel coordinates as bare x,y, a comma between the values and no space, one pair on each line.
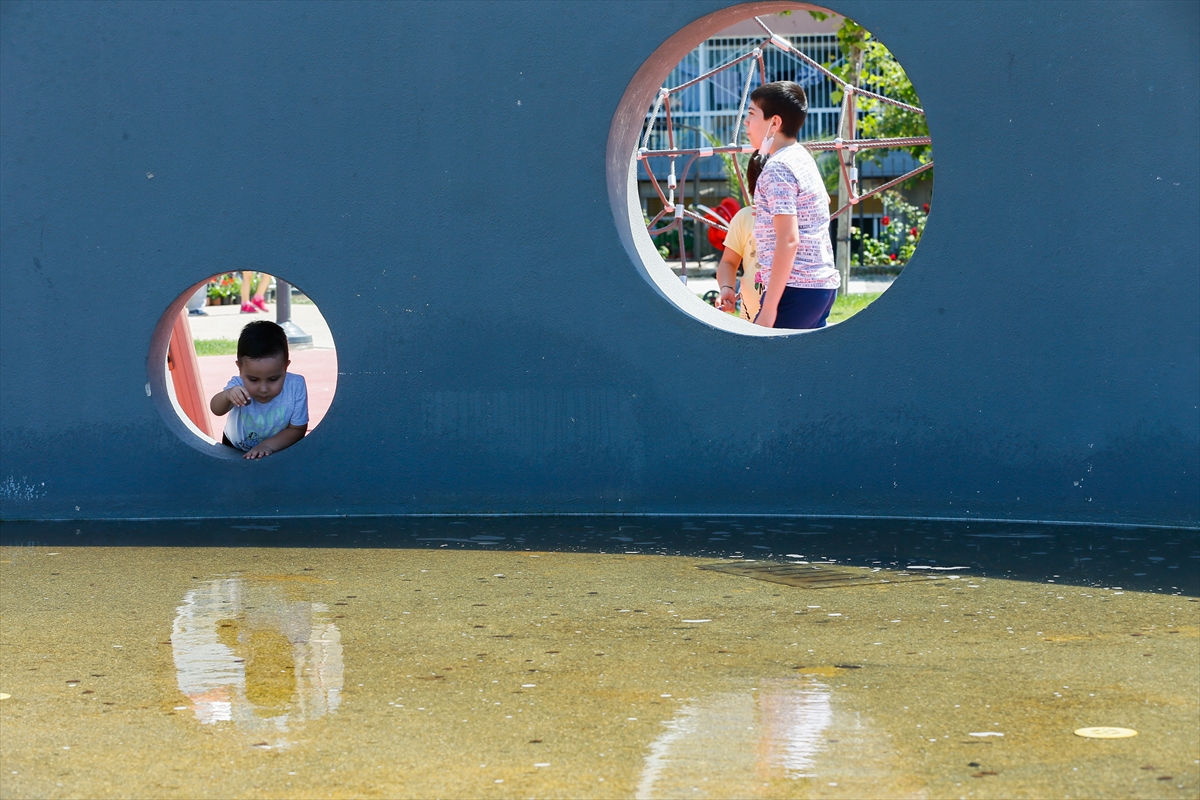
785,99
262,339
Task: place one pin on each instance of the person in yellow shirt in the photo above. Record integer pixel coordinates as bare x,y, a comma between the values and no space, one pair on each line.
740,251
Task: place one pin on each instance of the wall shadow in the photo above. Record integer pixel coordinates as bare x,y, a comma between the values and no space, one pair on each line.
1165,561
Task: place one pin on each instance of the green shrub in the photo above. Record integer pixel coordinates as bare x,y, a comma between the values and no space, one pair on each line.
903,224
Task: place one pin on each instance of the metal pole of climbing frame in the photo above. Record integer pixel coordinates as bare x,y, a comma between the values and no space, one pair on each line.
283,315
697,228
842,251
862,226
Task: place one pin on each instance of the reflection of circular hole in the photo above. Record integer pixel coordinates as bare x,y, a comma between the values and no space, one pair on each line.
193,354
707,88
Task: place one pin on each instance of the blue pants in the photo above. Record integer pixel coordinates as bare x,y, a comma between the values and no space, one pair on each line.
804,309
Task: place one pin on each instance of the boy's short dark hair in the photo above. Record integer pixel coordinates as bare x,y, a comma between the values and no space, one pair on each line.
786,100
262,339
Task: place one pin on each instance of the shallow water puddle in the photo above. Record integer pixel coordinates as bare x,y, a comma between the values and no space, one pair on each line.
285,672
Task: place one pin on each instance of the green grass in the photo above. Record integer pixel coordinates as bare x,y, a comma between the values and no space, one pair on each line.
220,347
847,305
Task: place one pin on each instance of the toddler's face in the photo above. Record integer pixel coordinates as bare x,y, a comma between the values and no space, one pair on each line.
263,377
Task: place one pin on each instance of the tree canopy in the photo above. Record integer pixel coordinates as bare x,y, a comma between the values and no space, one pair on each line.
881,73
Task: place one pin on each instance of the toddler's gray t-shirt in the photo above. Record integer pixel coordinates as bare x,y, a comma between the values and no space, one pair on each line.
247,426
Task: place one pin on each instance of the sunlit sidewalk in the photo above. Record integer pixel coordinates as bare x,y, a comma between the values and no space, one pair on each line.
226,322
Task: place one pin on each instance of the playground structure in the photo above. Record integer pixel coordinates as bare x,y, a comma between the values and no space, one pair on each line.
846,147
1051,375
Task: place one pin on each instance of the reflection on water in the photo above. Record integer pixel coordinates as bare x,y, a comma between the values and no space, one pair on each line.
748,738
793,720
258,654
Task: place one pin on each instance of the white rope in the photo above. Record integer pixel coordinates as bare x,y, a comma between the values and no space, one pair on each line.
737,128
662,93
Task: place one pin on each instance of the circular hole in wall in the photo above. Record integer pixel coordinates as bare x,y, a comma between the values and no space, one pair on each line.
681,166
194,356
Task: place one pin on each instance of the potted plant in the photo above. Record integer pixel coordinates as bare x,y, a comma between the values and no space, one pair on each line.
225,289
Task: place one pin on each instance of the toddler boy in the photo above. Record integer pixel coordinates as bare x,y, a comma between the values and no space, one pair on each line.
269,405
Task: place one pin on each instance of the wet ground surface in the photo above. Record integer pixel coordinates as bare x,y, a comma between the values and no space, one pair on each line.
592,658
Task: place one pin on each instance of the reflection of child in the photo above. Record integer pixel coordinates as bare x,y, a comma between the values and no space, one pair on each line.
257,654
269,404
740,250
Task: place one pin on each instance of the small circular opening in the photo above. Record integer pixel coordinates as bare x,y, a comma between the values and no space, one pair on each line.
683,164
194,357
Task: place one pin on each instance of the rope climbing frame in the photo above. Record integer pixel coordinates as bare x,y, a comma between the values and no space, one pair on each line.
846,149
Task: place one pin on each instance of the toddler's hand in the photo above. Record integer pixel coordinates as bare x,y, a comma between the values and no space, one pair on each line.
238,395
259,451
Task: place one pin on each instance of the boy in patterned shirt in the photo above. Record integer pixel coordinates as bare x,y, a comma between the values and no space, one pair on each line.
791,220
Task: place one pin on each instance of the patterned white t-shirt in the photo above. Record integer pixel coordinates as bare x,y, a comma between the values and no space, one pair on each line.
791,184
248,425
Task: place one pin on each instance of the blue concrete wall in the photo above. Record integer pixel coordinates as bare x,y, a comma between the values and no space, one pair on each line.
501,351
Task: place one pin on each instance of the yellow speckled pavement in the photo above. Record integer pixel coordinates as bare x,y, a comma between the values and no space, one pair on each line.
360,672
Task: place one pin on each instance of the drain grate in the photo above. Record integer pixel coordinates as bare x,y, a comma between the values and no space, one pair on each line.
816,576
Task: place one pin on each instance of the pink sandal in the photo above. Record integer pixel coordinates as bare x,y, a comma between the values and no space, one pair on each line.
259,303
247,308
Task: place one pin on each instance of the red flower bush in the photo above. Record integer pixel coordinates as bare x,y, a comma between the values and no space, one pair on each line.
894,241
925,208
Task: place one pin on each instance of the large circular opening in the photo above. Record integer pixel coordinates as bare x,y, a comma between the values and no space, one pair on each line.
684,168
287,387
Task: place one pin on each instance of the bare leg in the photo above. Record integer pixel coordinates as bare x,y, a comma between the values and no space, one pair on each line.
247,279
264,280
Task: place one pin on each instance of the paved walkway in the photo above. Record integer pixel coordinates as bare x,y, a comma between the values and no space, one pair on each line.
857,286
226,322
702,278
